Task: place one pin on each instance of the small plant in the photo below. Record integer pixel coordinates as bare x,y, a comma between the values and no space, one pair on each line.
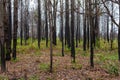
49,78
113,69
34,78
15,60
76,66
44,67
3,78
21,79
84,53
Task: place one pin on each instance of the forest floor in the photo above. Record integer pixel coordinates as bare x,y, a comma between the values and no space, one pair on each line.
33,64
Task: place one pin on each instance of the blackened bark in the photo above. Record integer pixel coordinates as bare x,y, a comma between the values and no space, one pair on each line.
21,27
3,63
62,34
87,26
39,23
67,28
46,21
119,35
78,25
91,36
51,32
9,34
111,40
15,28
91,44
72,31
54,28
119,43
84,33
108,29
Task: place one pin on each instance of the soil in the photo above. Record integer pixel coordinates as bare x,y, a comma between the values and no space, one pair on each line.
27,66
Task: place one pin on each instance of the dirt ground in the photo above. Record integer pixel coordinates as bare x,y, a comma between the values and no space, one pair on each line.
27,68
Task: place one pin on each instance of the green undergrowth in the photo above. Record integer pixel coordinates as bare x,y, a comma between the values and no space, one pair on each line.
112,68
44,66
15,60
76,66
3,78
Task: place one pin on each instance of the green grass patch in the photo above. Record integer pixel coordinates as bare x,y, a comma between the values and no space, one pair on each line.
34,77
15,60
112,68
44,66
57,54
76,66
3,78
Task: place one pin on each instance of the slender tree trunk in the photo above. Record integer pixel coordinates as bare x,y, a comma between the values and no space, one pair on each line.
46,21
119,35
8,31
39,23
72,30
51,33
54,28
84,33
67,28
88,34
21,27
2,35
91,35
61,24
78,24
111,47
108,29
15,28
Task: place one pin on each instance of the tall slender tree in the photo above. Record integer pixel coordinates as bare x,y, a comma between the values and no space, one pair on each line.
111,36
46,23
2,35
15,28
119,35
8,30
84,28
78,24
67,27
54,27
51,33
72,30
61,24
91,19
39,23
21,25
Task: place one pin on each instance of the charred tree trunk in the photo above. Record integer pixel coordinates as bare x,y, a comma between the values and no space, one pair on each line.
2,35
15,28
119,35
91,35
39,23
108,29
78,24
84,33
8,31
111,40
54,28
72,30
51,33
61,24
67,28
46,21
21,27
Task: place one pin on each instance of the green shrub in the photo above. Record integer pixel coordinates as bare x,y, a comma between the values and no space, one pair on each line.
113,69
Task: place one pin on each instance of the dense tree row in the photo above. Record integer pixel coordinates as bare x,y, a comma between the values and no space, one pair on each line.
77,21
